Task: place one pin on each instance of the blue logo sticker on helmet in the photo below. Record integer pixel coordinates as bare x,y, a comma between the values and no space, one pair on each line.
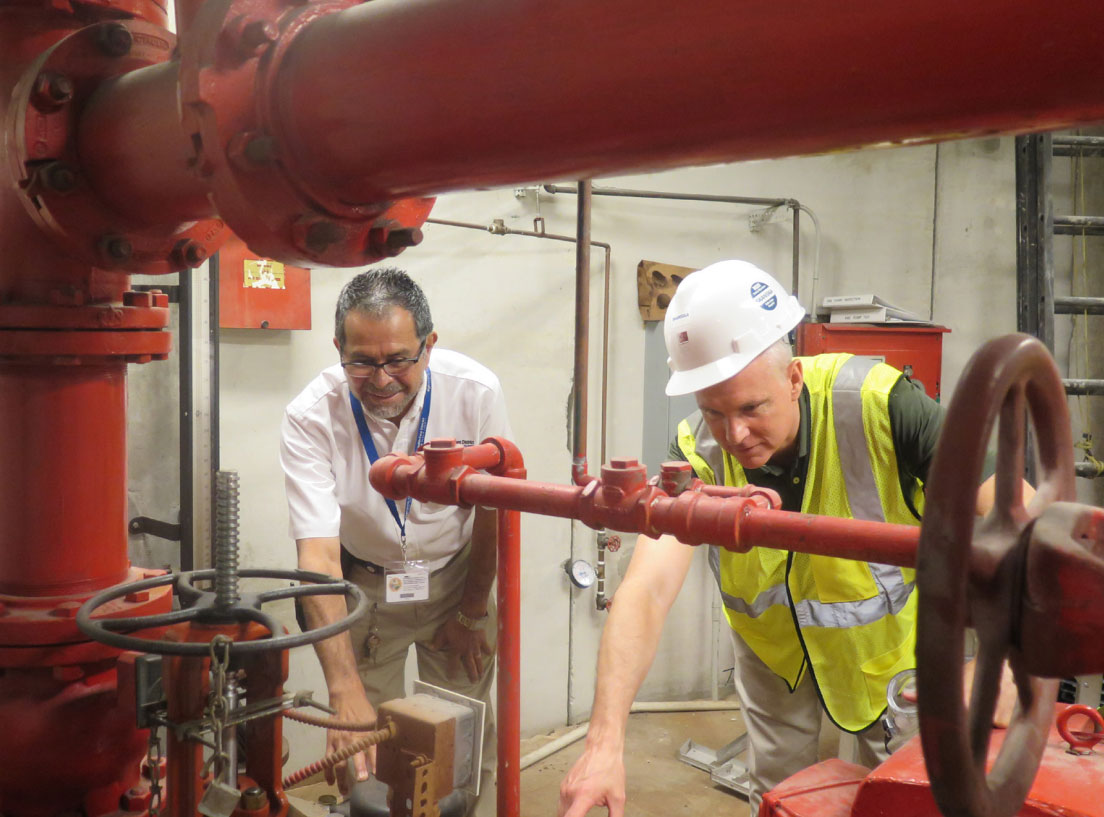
762,294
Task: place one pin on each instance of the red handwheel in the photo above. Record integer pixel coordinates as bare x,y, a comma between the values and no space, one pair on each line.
970,571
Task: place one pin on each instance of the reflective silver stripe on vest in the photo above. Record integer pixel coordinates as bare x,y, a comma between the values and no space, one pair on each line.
862,496
775,596
865,502
890,601
858,474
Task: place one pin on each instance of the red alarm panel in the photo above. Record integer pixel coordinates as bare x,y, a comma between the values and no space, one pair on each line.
915,350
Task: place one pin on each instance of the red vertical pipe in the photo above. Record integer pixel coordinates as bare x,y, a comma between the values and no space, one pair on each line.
509,663
63,498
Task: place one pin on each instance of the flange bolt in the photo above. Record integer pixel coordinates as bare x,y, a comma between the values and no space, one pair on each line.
59,177
52,90
116,248
189,253
115,39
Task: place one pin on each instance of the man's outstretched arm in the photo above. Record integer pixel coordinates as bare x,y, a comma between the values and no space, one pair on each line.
629,641
335,654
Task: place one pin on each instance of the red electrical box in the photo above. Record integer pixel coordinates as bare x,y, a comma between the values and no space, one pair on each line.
259,293
915,350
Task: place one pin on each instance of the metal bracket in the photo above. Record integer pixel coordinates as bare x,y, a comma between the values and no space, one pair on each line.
154,527
148,691
723,767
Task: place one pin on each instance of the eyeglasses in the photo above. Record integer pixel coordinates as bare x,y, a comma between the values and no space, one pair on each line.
394,367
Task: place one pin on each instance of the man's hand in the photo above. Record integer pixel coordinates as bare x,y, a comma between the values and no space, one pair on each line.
596,779
351,706
463,646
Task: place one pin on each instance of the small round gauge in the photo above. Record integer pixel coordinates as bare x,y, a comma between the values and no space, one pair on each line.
581,572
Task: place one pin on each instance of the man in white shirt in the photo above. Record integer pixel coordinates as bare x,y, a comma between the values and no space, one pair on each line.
427,569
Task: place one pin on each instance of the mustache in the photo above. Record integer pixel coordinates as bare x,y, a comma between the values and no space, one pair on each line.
394,388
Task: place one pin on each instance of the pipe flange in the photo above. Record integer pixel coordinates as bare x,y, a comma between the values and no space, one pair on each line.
38,622
47,104
230,63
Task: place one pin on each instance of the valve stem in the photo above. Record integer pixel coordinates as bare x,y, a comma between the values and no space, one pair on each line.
226,539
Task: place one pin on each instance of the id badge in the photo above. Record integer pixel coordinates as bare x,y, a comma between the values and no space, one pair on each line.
407,582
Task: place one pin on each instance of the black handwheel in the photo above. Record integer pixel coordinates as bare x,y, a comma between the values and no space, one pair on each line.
200,605
970,570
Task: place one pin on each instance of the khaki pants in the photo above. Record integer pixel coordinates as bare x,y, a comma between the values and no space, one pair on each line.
783,727
397,626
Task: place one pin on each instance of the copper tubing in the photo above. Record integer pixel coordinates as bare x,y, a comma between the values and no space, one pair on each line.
579,408
329,723
582,338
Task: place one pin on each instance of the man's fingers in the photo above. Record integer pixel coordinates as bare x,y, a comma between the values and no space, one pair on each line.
474,665
371,754
578,806
361,766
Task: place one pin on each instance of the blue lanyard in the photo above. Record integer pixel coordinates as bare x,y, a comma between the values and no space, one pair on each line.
373,455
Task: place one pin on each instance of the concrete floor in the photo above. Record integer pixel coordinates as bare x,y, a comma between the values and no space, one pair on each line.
658,783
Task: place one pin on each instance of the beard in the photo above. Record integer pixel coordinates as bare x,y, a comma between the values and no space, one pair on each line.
387,409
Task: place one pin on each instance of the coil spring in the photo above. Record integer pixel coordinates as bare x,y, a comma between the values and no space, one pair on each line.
226,539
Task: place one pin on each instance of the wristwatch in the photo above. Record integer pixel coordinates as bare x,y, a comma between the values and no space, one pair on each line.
471,623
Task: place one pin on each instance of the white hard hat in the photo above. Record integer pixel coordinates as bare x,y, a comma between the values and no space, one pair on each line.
720,319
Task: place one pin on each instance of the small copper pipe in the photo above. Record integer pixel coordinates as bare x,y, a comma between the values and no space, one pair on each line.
582,338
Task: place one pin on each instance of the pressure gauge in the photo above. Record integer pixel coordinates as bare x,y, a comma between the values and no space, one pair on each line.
581,572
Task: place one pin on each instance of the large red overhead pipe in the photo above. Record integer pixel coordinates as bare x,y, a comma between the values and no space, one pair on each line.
329,112
395,98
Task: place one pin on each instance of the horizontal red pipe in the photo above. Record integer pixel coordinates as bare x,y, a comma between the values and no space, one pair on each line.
694,518
878,542
136,153
396,98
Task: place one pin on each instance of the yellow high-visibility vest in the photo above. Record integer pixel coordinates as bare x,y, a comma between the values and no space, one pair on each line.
851,624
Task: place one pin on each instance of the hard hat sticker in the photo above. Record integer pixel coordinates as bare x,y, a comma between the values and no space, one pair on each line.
762,294
683,337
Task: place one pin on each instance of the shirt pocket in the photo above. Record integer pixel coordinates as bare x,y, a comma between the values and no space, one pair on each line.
841,580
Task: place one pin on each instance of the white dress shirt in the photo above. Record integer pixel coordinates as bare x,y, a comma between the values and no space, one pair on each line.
326,467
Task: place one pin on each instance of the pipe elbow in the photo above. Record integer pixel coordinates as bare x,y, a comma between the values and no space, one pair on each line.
511,463
391,475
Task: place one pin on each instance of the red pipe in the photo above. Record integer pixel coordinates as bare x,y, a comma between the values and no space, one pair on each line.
63,468
623,500
135,148
502,458
740,80
509,663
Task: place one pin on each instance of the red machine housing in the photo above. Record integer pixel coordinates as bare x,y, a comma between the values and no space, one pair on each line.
1063,787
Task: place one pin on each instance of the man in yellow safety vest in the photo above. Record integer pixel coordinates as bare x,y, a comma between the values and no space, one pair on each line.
835,435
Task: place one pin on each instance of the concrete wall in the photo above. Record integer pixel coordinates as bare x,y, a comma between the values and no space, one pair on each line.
930,228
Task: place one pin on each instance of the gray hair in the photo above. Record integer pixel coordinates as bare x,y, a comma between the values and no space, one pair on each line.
375,293
780,353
